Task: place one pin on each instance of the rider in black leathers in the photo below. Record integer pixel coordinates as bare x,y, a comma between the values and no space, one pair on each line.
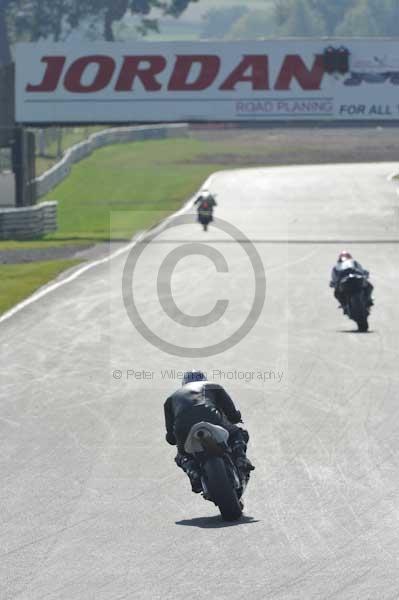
199,400
205,203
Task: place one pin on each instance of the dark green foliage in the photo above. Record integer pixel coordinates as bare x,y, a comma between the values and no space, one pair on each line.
255,24
55,19
332,13
337,17
298,18
371,17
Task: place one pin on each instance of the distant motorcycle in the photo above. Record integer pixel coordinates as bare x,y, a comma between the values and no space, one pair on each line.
222,482
205,216
354,287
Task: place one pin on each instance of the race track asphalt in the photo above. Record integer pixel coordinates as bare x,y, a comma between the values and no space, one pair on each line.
92,506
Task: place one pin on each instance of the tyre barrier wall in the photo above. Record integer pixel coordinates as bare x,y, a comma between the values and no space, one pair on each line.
28,222
56,174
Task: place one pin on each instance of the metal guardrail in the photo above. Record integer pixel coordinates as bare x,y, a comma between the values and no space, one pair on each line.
58,172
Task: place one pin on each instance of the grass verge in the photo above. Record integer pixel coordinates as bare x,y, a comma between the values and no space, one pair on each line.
20,281
42,244
131,186
141,180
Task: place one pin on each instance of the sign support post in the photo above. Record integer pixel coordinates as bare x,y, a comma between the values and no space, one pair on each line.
23,158
20,139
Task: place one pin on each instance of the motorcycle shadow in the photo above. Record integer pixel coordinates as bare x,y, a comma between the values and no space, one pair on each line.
215,522
354,331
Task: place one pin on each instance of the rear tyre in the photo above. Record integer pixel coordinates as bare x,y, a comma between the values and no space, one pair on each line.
359,313
221,489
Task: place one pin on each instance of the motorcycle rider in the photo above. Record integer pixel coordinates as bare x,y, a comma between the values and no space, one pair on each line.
206,202
338,272
199,400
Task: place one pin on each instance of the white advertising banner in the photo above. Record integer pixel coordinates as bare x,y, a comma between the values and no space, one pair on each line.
205,81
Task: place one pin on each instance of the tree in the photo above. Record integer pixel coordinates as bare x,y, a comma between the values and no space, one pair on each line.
5,53
55,19
332,13
112,12
386,15
45,19
253,25
361,19
338,17
217,22
298,18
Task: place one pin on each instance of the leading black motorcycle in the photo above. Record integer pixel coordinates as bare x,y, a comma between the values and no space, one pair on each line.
205,216
355,288
222,482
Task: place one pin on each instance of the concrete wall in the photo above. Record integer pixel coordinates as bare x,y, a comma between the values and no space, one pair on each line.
56,174
28,222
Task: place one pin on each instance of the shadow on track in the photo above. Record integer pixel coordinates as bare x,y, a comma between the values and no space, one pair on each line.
353,331
215,522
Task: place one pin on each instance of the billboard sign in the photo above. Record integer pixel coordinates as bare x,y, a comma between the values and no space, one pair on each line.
206,81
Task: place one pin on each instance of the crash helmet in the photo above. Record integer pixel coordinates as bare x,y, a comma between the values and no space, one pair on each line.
344,255
194,375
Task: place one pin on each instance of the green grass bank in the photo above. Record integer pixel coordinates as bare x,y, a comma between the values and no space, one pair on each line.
130,185
19,281
135,183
